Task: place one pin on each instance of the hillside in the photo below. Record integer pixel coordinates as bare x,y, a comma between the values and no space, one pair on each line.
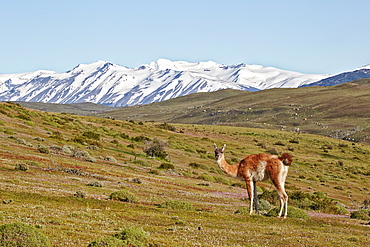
58,172
340,111
76,108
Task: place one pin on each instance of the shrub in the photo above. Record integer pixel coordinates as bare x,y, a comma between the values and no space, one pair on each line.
264,205
141,162
108,242
43,149
68,149
133,236
339,209
166,166
206,177
293,212
194,165
90,159
279,143
221,180
338,187
361,215
270,196
124,196
79,194
21,167
155,148
81,154
56,135
95,184
110,159
242,210
175,204
93,147
91,135
19,234
167,126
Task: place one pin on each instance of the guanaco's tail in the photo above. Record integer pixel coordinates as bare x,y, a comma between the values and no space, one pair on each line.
286,159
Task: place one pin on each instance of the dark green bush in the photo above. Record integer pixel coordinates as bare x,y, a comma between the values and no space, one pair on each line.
124,196
293,212
21,167
79,194
194,165
167,126
166,166
361,214
91,135
21,235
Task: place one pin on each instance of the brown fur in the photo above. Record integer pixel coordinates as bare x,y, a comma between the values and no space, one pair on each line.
259,167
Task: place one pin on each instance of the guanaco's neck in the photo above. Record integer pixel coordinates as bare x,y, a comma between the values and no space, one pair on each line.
232,170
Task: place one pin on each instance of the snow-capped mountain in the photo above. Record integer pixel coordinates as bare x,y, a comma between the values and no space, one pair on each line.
114,85
360,73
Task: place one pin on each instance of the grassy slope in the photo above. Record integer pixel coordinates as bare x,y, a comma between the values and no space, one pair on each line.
339,111
43,195
77,108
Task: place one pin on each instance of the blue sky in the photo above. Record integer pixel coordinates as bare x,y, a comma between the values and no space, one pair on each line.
308,36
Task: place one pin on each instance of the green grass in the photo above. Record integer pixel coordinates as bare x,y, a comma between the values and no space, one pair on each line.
43,195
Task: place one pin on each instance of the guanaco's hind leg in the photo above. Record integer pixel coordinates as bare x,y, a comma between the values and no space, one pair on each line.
282,195
283,200
249,185
255,198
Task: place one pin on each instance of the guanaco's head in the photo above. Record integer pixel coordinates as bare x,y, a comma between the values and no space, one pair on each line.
219,151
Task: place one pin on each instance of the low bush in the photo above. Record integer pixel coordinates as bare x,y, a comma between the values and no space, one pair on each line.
79,194
166,166
21,167
19,234
132,235
361,214
124,196
242,210
263,205
95,184
293,212
108,242
110,159
206,177
43,149
221,180
91,135
155,148
178,205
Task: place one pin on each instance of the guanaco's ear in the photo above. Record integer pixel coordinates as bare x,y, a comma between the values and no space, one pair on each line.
214,145
223,148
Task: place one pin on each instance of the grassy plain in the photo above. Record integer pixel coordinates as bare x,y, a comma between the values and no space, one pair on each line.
65,156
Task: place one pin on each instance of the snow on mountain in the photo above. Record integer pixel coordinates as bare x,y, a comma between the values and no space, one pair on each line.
106,83
348,76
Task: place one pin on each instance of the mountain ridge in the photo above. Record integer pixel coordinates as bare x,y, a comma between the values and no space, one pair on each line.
110,84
